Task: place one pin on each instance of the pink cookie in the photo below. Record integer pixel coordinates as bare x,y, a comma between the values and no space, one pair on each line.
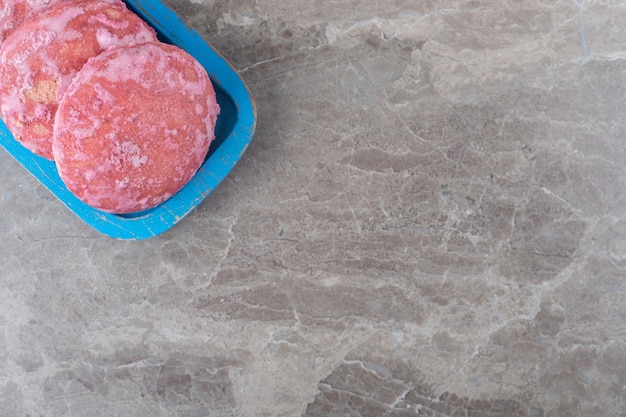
134,127
42,56
14,12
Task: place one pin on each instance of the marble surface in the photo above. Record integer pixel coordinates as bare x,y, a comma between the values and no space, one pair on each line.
431,221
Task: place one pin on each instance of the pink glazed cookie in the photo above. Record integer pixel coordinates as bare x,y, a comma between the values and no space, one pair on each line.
41,57
134,127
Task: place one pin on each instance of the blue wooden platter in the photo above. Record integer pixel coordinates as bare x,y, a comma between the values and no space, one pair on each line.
233,132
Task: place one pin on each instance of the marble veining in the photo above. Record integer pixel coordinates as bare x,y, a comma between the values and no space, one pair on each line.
430,221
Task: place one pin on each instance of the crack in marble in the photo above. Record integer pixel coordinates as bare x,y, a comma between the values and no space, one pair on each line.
586,57
262,62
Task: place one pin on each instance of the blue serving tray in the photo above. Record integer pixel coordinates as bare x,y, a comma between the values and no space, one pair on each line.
233,132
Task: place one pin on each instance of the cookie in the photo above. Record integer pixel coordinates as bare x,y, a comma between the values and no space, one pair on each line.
134,127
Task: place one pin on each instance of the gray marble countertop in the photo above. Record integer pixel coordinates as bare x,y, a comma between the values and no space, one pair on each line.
430,221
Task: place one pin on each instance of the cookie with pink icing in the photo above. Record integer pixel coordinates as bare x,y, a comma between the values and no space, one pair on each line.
14,12
134,127
41,57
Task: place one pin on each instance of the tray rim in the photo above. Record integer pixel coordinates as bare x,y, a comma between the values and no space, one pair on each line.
214,169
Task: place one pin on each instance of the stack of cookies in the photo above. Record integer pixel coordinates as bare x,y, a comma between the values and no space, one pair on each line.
127,120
